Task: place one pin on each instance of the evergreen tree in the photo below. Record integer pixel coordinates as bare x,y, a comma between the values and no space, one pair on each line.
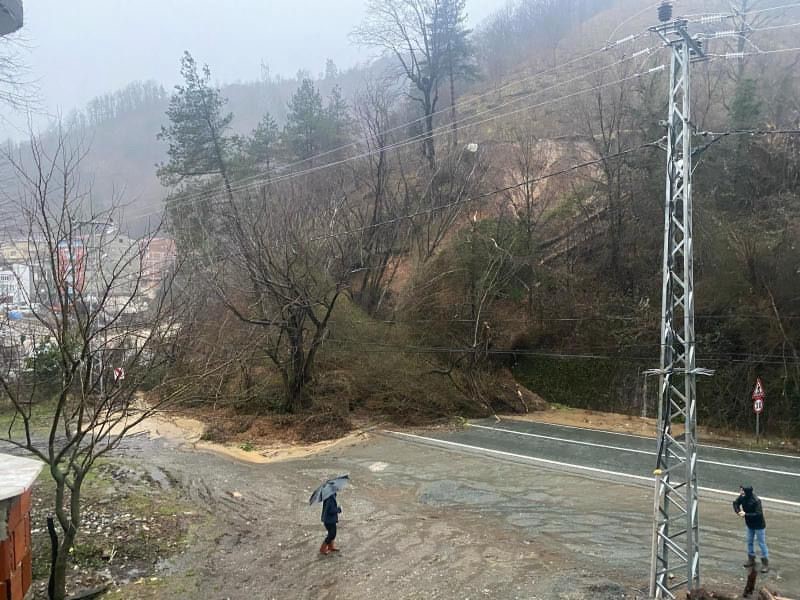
199,144
746,106
312,127
459,54
429,41
261,147
305,121
331,70
338,121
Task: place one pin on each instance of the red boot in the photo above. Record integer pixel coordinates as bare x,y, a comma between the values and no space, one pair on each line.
325,548
332,548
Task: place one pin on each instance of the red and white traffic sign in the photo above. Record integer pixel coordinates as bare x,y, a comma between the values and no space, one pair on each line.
758,391
758,406
119,374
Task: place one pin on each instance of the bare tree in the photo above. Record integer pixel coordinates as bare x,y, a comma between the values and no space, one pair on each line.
427,39
16,91
444,196
530,159
91,340
610,122
380,233
477,270
403,206
282,271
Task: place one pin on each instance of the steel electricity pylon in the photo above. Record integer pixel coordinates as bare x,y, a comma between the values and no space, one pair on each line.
675,563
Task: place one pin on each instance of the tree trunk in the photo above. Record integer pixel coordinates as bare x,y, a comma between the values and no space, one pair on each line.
454,122
69,525
59,567
296,397
51,529
428,146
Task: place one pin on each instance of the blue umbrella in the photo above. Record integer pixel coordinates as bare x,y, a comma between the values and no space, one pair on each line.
329,488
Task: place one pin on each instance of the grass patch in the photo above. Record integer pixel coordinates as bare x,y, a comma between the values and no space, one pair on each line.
11,423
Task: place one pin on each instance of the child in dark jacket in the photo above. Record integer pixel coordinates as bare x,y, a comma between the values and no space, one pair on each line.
330,517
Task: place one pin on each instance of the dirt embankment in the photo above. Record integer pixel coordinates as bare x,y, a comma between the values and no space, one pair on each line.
268,445
262,440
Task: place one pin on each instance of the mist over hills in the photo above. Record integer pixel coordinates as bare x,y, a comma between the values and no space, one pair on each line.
120,128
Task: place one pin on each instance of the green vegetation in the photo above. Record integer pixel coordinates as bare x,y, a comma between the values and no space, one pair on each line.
585,383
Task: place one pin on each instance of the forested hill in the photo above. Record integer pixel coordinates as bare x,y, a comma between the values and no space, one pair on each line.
422,236
120,127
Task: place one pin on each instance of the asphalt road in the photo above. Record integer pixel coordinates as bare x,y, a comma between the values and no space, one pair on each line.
775,477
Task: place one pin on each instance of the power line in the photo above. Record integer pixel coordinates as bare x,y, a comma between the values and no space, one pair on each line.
577,319
444,129
571,168
494,192
472,99
437,132
709,18
744,33
415,349
728,55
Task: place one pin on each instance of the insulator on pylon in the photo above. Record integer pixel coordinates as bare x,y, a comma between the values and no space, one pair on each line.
665,11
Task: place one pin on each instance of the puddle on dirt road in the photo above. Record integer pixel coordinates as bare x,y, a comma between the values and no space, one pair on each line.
446,492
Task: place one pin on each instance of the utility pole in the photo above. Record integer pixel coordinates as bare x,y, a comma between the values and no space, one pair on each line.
675,560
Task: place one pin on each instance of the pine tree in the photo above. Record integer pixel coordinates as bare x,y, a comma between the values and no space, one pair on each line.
305,121
199,144
261,147
338,121
313,128
459,54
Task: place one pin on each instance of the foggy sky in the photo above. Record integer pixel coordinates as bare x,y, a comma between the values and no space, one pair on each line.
79,49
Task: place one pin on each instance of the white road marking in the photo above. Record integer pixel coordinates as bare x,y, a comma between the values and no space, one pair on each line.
558,439
632,450
647,437
547,461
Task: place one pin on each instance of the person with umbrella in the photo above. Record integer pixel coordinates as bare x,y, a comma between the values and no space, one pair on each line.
326,493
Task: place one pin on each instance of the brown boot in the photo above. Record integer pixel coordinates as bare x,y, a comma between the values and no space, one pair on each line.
332,548
765,565
751,561
325,548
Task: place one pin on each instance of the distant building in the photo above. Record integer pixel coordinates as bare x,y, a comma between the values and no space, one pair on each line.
159,257
16,284
15,251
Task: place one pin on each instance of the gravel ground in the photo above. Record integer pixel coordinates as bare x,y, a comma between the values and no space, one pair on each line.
131,521
419,522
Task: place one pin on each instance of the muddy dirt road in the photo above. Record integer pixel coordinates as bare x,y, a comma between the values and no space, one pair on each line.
423,522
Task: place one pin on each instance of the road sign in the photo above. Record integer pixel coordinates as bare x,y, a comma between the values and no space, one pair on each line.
758,391
119,374
758,403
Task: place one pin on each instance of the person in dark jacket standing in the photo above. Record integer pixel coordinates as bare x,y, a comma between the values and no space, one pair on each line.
748,505
330,517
